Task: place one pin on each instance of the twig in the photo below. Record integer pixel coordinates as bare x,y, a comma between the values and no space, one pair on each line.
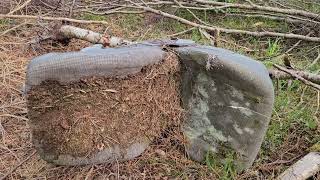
250,2
301,96
14,116
196,17
315,60
288,19
89,174
233,31
182,32
205,8
18,165
71,8
295,45
273,16
293,74
2,132
208,36
20,7
114,12
275,74
13,28
262,8
52,19
318,103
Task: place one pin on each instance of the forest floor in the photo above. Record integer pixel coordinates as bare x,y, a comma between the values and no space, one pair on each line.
294,129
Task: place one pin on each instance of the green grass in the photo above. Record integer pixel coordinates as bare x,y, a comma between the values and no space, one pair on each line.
273,48
226,168
132,22
93,17
289,112
4,23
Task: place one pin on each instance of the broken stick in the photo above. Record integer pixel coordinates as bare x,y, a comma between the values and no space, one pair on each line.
70,32
295,75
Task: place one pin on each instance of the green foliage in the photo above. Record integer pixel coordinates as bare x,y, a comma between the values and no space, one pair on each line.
225,168
315,68
268,64
289,113
196,35
210,160
252,23
311,124
229,169
273,48
187,15
132,22
4,23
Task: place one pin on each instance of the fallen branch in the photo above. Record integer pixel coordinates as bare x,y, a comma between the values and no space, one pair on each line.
224,30
295,75
99,9
273,15
51,19
20,7
195,16
276,74
315,61
288,19
69,32
262,8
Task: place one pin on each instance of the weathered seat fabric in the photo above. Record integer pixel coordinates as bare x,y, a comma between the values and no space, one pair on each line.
91,61
228,97
108,155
